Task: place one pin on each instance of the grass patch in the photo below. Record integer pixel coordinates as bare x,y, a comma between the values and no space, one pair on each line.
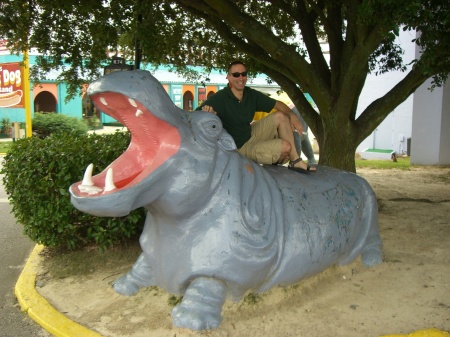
174,300
402,163
252,298
5,146
378,151
114,124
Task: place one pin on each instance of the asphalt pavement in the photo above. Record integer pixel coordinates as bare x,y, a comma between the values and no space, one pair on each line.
14,251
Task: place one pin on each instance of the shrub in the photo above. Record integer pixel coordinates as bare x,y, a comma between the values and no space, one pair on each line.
45,124
37,175
93,122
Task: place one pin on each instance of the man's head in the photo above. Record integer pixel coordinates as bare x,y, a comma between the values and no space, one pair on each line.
237,75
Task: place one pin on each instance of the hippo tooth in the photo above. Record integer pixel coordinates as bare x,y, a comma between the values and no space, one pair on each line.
87,179
109,183
138,113
87,185
132,102
90,189
103,101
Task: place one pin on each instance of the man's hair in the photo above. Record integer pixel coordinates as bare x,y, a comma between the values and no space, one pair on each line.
234,63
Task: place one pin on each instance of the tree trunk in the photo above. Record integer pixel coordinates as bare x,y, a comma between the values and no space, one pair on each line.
337,149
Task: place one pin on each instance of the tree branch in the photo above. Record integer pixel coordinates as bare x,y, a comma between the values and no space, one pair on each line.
310,115
361,42
306,23
379,109
261,44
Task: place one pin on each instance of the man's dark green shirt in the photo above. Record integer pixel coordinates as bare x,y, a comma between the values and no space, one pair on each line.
235,115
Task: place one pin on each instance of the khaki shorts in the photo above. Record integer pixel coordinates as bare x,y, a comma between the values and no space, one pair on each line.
264,146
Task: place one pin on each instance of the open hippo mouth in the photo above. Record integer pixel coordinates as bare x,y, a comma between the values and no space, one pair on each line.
153,142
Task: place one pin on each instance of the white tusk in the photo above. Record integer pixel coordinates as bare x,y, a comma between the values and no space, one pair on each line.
103,101
138,113
109,183
87,185
132,102
87,179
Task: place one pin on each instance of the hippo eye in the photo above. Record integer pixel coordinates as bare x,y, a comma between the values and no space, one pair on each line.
211,128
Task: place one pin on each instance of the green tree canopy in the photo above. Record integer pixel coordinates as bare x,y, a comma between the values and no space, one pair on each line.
280,38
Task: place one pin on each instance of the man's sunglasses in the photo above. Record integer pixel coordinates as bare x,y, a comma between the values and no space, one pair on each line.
244,74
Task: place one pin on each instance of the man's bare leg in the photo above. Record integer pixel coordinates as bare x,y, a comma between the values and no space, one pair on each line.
285,133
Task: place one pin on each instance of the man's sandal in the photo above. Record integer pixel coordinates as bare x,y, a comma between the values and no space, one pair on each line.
299,169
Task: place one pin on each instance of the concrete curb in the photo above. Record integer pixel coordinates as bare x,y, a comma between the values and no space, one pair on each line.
39,309
59,325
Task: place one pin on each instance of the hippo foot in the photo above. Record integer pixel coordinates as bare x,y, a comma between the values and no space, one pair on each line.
201,306
371,257
139,276
194,317
125,286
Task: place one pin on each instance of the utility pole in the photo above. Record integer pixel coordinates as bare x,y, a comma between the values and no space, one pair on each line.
137,47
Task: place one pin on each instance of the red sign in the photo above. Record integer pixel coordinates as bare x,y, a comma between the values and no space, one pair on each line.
11,93
201,92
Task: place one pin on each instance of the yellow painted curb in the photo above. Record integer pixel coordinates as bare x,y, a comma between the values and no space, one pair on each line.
423,333
39,309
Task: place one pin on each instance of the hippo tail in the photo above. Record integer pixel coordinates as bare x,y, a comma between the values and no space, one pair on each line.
369,243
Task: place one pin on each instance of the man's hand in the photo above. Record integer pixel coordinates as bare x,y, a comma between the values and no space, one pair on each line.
295,123
209,108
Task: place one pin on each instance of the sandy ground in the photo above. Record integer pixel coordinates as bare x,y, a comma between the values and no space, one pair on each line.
410,291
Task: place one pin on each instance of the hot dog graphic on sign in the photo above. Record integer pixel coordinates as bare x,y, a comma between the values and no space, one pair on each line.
10,85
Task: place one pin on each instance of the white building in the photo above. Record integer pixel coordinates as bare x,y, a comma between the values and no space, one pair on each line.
417,127
394,131
418,123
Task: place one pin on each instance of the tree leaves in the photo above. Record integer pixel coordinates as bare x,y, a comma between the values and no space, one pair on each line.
284,39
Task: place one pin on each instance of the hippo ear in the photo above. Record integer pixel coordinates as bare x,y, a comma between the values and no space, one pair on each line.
226,142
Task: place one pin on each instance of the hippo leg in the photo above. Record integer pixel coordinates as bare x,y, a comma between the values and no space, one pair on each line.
369,244
139,276
371,253
201,306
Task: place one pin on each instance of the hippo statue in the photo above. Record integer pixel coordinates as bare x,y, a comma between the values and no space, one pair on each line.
218,225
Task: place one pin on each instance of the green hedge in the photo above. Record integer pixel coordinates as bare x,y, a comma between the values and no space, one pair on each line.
37,175
45,124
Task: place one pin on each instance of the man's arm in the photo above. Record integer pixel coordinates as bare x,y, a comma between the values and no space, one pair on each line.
295,122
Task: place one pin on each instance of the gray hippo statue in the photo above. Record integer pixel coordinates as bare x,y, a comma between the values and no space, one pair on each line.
218,225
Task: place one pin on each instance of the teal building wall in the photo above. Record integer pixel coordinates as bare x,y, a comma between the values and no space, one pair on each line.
71,108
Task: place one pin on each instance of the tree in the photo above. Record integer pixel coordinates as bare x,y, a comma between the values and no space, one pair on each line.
280,38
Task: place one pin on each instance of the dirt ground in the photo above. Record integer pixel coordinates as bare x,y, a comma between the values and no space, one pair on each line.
410,291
